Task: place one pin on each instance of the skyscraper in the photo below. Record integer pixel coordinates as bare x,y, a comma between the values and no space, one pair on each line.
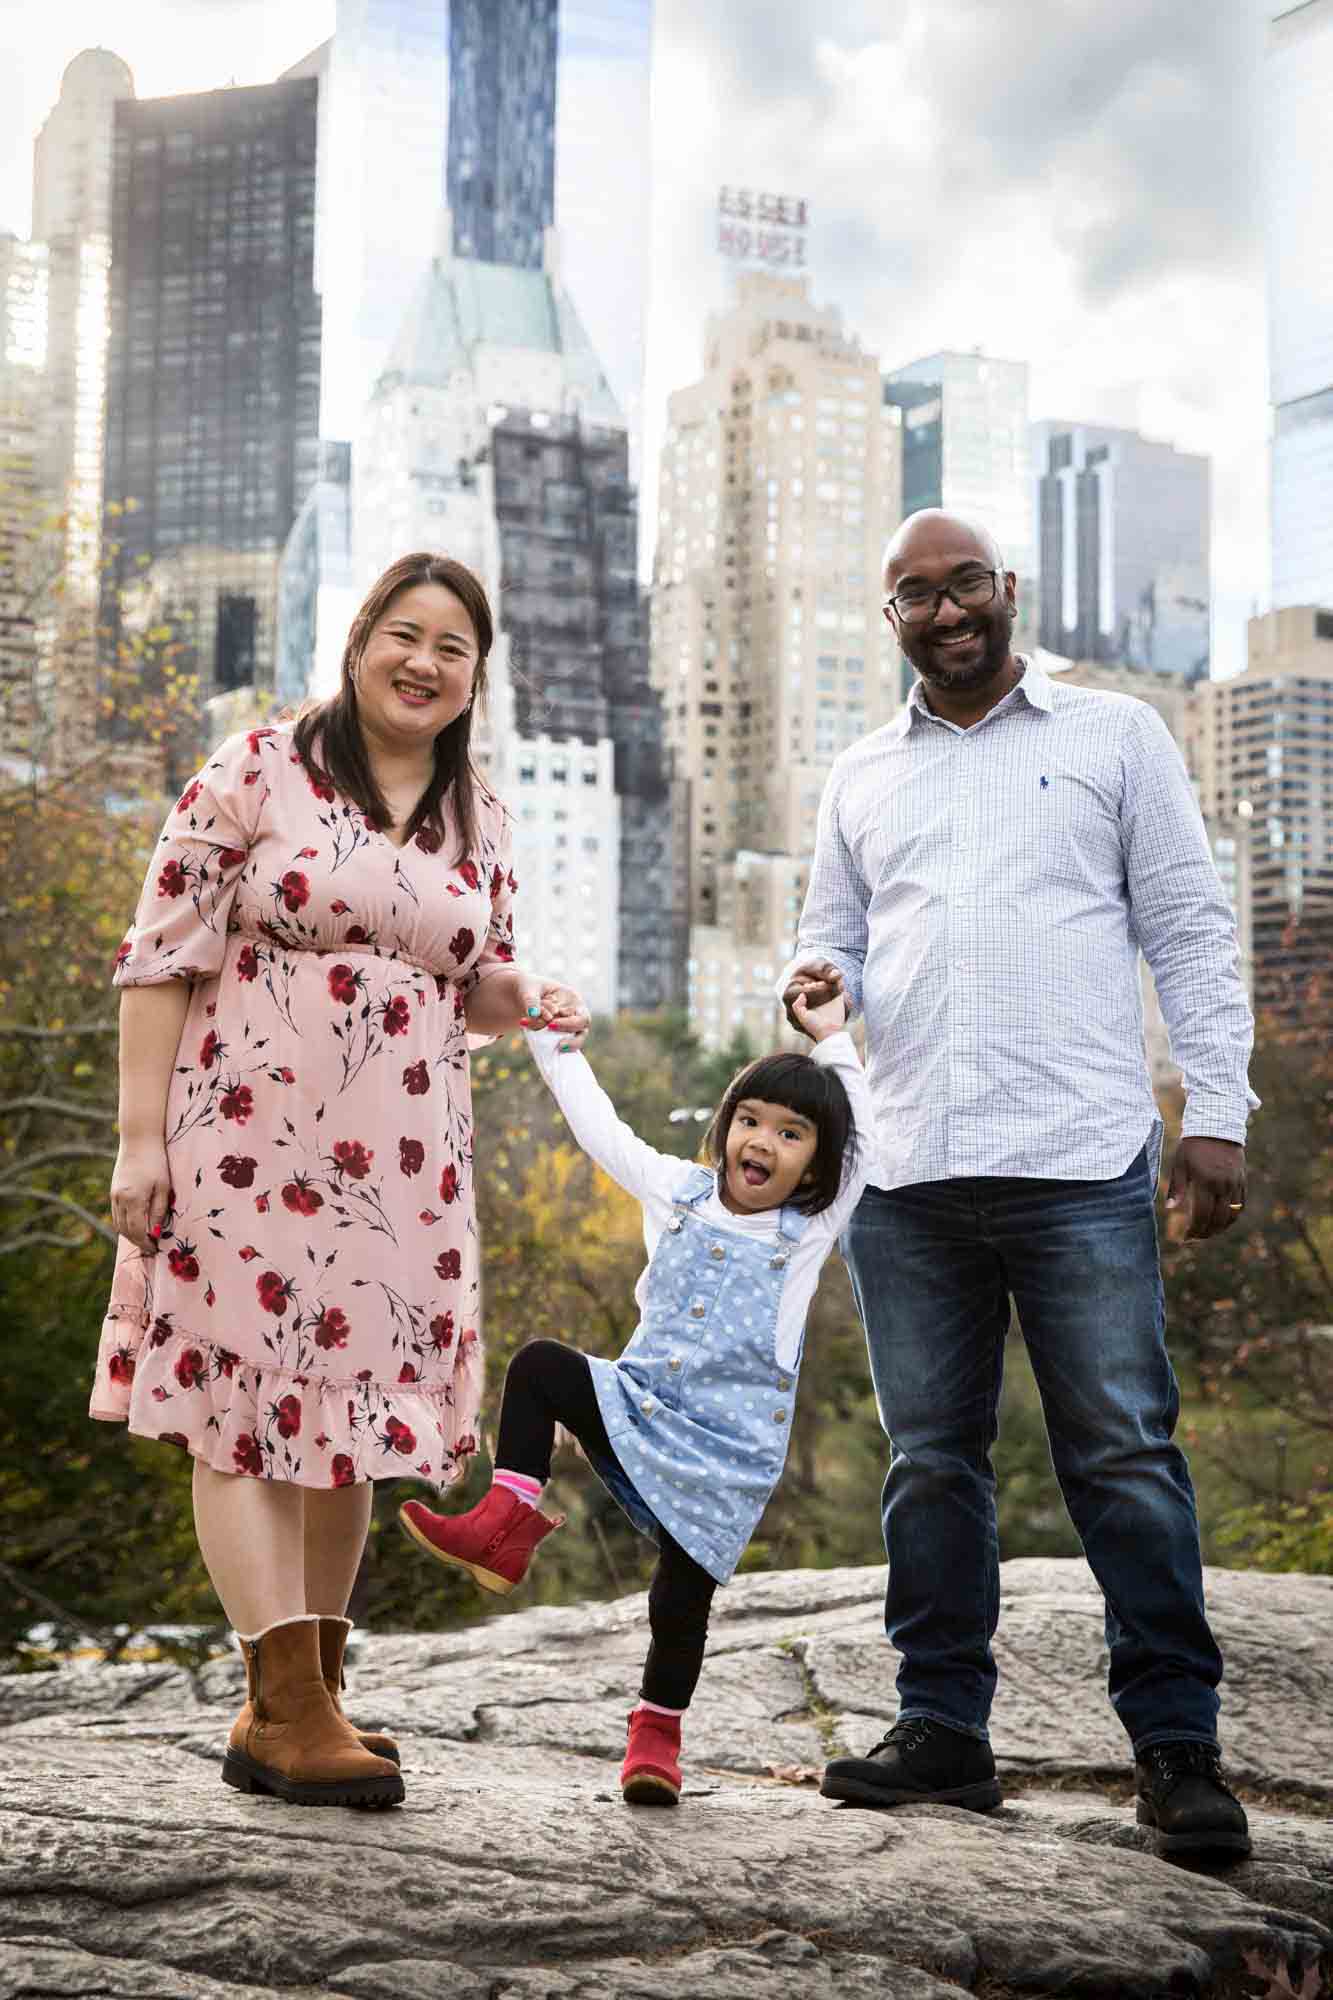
23,301
965,446
500,184
780,483
214,362
493,434
71,216
1123,541
1298,180
1263,751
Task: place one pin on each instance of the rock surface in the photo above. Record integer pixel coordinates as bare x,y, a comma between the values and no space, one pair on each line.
514,1872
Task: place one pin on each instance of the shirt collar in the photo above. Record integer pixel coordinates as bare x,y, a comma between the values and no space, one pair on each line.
1035,688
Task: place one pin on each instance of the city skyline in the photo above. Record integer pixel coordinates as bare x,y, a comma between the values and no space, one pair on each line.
1087,211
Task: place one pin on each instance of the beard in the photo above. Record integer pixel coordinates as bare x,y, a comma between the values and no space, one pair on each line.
938,673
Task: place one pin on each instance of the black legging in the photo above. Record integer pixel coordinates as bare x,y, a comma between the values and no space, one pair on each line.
549,1384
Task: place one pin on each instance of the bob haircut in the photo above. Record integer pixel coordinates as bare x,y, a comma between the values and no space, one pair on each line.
328,736
817,1093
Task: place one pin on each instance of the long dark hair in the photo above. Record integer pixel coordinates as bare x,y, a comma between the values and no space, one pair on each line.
328,734
817,1093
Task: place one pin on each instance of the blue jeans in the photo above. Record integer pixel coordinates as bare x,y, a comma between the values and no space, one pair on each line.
934,1268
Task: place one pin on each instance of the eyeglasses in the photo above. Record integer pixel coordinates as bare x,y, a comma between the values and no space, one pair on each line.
917,603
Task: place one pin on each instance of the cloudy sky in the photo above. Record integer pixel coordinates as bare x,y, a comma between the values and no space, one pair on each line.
1061,181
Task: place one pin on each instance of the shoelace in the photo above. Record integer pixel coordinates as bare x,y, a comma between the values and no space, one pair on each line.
904,1736
1170,1762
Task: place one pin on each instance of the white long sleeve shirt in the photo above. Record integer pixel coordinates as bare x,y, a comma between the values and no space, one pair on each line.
652,1177
985,893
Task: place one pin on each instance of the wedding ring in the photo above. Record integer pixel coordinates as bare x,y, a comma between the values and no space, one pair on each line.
1235,1204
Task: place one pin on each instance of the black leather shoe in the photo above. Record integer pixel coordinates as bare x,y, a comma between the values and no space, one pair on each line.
1181,1794
917,1763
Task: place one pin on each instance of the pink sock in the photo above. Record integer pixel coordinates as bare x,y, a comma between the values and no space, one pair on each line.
520,1484
656,1708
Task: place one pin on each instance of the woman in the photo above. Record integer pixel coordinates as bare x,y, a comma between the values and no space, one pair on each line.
326,918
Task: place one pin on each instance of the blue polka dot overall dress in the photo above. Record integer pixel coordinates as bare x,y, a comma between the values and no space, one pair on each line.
697,1410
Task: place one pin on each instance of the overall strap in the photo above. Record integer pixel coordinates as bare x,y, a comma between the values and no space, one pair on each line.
792,1224
695,1185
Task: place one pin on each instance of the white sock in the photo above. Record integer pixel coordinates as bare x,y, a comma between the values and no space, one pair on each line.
521,1484
656,1708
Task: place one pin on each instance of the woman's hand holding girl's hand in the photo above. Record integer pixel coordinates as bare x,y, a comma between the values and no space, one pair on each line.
551,1005
140,1191
819,1022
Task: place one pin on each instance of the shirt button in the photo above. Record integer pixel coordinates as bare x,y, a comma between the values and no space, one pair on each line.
718,1252
697,1311
779,1416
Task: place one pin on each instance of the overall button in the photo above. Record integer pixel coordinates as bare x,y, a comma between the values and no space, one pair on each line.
783,1384
779,1416
718,1252
674,1362
647,1406
697,1310
675,1225
778,1262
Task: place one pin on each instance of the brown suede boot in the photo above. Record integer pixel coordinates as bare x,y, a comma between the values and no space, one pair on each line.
294,1743
333,1637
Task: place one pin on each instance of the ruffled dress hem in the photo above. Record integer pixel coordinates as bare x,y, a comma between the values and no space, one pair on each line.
269,1422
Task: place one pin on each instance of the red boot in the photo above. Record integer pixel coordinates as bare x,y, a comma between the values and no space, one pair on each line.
494,1540
650,1774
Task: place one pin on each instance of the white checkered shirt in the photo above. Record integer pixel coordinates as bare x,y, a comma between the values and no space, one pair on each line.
985,893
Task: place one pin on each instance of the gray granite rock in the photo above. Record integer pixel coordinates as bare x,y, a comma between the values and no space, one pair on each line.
514,1871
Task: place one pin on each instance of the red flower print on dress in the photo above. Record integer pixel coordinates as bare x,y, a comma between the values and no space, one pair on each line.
182,1262
247,964
407,1374
174,1437
357,934
322,789
248,1254
306,853
411,1156
162,1331
289,1416
124,951
442,1332
513,885
342,984
188,796
261,1203
190,1368
351,1157
173,881
321,1442
397,1018
210,1049
400,1437
294,889
301,1198
227,1362
246,1454
466,1446
237,1103
342,1471
449,1185
237,1170
159,1394
331,1328
255,738
416,1079
449,1264
461,943
429,840
468,871
274,1294
339,909
503,949
230,857
120,1367
497,882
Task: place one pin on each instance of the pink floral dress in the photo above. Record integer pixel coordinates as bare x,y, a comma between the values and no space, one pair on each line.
312,1313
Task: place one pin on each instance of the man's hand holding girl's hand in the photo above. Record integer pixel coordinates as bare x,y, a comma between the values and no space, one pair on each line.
817,1021
817,983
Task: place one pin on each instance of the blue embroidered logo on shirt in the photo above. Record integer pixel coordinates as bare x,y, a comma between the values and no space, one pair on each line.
1045,784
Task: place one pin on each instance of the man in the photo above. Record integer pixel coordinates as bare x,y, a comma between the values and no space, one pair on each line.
987,867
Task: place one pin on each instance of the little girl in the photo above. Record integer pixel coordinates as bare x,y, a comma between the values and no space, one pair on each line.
688,1429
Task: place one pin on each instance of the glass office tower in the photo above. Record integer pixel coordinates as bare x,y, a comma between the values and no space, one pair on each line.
965,445
1298,177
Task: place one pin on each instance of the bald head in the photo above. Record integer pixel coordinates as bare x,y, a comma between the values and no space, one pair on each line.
930,536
